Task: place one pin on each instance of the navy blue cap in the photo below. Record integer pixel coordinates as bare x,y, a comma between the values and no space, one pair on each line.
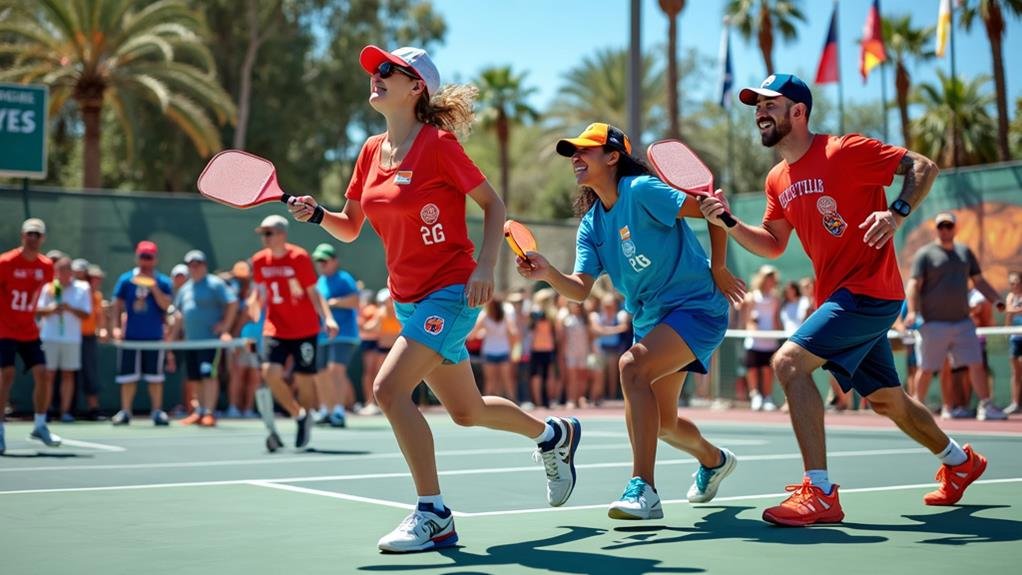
788,85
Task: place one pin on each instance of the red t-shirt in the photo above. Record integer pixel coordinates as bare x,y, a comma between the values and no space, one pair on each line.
418,210
20,282
289,311
825,195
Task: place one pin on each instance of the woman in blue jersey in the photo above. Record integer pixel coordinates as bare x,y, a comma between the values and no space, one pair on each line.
632,230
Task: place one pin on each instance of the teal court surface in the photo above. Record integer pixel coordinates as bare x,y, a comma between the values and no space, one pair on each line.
190,500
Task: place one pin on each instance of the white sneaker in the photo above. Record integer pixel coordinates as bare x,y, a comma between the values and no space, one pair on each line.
704,488
945,412
1012,408
987,411
639,501
528,406
769,406
370,409
756,402
559,460
423,530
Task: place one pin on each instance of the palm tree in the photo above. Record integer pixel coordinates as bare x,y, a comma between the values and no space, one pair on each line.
672,8
904,43
954,99
596,91
992,14
123,53
763,18
502,97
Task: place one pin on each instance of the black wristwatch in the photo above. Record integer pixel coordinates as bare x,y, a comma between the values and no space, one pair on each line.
901,207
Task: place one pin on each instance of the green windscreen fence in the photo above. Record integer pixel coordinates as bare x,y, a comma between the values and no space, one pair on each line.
104,227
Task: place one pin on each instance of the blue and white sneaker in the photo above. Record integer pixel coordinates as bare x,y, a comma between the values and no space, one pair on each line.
160,418
704,488
337,418
42,433
639,501
559,459
423,530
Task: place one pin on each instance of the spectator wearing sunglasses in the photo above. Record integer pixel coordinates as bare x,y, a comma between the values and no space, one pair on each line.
411,183
938,294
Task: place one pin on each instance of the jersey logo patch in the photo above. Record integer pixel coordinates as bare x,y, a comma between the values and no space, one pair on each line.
434,325
625,233
429,214
403,178
832,221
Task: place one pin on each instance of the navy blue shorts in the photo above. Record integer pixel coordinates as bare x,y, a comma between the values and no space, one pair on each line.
850,332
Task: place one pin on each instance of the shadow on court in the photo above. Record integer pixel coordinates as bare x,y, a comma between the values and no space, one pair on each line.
336,451
959,526
531,554
49,454
725,524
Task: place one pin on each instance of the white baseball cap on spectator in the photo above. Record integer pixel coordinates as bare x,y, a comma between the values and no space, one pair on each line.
179,270
195,256
80,265
33,225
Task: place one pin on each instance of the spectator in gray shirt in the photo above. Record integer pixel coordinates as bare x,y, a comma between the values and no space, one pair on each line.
938,293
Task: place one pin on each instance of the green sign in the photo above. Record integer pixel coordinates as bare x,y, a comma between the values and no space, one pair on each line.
23,110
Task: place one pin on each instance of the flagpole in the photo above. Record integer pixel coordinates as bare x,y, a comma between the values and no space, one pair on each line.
840,84
954,83
883,97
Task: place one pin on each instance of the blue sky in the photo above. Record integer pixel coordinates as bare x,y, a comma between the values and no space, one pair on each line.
546,38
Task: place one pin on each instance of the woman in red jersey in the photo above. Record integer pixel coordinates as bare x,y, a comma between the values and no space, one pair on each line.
410,183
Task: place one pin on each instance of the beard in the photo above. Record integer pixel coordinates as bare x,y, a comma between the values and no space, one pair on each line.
775,134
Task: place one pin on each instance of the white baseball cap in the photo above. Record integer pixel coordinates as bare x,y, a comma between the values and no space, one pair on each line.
408,57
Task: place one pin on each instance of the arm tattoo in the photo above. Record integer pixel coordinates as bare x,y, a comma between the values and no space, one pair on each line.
919,174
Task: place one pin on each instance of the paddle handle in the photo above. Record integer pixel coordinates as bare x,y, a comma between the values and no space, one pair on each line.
317,213
728,220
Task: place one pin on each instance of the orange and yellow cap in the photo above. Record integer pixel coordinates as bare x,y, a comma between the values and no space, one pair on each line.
594,135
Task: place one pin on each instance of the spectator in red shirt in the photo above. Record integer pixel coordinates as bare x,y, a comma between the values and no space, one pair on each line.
286,285
23,273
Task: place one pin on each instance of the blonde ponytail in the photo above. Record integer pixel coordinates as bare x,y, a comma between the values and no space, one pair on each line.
450,109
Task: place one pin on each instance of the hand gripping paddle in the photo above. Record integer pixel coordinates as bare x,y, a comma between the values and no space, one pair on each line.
520,239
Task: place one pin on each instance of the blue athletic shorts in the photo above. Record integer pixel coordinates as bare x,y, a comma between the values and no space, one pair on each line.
850,332
441,321
701,332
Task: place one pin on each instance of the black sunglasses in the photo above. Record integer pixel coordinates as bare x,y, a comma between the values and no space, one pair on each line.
387,68
267,233
34,234
945,226
146,256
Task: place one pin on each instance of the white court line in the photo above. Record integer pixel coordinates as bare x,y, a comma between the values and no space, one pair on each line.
722,499
90,445
364,476
332,494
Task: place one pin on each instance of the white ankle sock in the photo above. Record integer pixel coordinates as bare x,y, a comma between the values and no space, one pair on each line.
437,501
547,435
40,419
952,454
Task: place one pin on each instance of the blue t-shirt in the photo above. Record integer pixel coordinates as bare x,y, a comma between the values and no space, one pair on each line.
652,257
202,305
340,284
145,318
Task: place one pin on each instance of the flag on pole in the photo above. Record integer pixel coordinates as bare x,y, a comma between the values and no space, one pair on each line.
726,71
943,26
873,52
827,71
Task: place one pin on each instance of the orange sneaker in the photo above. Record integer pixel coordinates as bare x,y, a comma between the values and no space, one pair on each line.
208,420
807,504
954,480
192,419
